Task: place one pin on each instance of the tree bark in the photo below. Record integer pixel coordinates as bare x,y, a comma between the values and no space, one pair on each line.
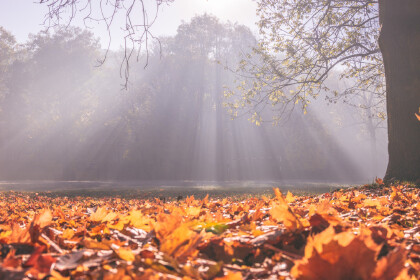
400,46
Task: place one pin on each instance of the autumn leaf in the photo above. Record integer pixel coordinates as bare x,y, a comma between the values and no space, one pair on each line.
138,220
390,266
371,203
55,275
99,214
281,212
92,244
181,243
10,260
231,276
364,233
326,211
109,217
120,274
68,233
43,219
166,224
290,197
125,254
193,211
19,235
333,256
41,263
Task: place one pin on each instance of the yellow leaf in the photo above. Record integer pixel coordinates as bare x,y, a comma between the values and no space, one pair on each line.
282,213
371,203
231,276
290,197
110,217
68,233
118,226
125,254
43,219
193,211
92,244
55,275
99,214
140,221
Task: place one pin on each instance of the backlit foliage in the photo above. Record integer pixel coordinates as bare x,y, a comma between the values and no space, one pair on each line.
367,233
302,44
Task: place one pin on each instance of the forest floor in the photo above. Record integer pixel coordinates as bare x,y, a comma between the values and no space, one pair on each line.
369,232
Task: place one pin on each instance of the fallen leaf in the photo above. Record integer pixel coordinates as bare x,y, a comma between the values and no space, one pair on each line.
333,256
231,276
125,254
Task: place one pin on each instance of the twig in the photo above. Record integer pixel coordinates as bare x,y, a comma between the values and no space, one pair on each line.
52,243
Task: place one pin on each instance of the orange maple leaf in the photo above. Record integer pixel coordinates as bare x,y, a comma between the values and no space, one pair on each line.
19,235
337,256
281,212
379,181
10,260
181,243
391,266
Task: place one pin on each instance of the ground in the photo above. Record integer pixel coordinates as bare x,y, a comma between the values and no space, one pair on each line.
370,232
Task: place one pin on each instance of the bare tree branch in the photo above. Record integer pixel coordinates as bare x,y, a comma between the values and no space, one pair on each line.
140,15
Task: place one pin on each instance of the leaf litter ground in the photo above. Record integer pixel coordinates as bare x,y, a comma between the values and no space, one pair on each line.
359,233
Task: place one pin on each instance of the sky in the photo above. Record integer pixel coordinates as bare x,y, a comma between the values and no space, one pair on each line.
22,17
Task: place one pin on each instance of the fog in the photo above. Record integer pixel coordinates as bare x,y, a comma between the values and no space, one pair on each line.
64,117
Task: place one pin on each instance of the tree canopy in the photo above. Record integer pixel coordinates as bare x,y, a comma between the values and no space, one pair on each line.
302,44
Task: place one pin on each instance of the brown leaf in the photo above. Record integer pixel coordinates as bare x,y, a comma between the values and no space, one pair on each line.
42,263
318,223
10,260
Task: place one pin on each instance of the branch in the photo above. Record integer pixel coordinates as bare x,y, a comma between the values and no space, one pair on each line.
137,28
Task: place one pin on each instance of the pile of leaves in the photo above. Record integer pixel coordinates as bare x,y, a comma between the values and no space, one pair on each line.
365,233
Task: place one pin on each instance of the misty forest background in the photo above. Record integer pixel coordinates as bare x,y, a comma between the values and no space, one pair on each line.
64,118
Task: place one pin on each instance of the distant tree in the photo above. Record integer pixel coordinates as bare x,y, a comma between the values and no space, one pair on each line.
65,119
47,86
191,75
8,51
303,41
7,54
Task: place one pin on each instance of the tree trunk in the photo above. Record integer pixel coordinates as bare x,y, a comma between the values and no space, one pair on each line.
400,46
